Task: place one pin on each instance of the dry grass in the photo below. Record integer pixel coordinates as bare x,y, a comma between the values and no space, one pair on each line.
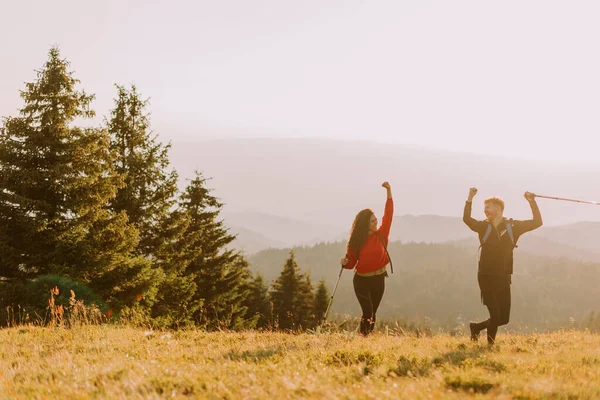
119,362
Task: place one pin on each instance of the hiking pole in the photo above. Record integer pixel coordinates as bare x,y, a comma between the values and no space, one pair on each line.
595,203
333,294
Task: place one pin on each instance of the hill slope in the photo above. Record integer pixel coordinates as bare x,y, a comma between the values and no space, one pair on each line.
439,281
282,230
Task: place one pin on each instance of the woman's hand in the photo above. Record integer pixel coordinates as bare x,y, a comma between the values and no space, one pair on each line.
387,186
344,261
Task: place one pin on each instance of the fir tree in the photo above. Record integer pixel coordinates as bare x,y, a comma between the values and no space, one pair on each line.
220,273
176,303
57,179
321,302
292,297
149,198
258,303
150,187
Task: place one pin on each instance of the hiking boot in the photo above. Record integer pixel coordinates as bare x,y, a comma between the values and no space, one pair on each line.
474,331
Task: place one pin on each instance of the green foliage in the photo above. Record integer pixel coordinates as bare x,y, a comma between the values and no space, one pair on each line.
258,303
37,292
292,297
57,179
320,302
436,285
29,300
150,186
102,208
219,273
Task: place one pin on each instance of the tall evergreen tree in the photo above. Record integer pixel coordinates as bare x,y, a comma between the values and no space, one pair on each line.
258,303
177,301
292,297
57,180
220,273
150,188
149,198
320,303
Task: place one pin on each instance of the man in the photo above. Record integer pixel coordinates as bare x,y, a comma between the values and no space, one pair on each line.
498,237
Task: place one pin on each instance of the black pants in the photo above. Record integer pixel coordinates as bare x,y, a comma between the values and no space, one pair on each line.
369,291
495,292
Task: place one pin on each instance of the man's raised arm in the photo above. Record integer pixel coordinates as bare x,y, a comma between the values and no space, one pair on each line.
522,227
467,219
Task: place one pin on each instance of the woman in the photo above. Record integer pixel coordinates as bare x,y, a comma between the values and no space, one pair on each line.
366,251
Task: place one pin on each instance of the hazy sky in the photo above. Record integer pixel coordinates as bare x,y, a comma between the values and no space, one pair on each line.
516,78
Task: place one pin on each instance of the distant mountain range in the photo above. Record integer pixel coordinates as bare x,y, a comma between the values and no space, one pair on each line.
259,231
293,192
251,242
277,231
326,182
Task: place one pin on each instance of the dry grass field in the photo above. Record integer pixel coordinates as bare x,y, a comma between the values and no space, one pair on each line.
118,362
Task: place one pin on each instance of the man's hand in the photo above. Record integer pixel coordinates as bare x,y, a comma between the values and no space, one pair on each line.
344,261
472,193
529,196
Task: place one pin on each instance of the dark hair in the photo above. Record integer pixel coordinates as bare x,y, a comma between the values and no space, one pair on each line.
360,230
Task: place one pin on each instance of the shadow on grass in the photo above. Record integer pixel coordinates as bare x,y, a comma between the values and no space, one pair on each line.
461,354
255,356
472,384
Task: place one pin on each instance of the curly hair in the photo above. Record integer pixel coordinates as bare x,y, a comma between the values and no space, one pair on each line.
359,231
495,200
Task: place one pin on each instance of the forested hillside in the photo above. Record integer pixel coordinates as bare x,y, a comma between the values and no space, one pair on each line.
439,281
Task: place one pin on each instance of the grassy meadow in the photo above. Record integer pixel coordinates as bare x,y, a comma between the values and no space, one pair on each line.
118,362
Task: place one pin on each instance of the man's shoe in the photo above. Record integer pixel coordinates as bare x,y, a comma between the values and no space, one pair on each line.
474,331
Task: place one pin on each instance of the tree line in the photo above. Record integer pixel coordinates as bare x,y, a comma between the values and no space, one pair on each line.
436,284
97,210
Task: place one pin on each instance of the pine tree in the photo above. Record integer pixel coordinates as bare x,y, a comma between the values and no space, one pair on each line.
57,180
321,302
176,304
258,303
292,297
220,273
149,198
150,188
306,298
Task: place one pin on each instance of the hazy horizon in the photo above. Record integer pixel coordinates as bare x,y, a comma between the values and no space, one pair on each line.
323,184
433,97
436,75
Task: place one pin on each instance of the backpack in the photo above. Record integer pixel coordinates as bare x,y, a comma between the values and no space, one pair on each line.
386,251
508,230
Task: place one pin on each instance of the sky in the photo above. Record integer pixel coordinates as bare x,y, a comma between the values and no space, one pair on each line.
512,78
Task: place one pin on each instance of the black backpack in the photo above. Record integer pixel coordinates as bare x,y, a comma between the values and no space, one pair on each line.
489,231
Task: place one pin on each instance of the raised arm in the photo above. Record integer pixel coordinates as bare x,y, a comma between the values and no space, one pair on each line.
472,223
388,213
521,227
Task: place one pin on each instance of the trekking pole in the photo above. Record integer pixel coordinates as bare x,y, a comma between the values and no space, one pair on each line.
333,294
595,203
